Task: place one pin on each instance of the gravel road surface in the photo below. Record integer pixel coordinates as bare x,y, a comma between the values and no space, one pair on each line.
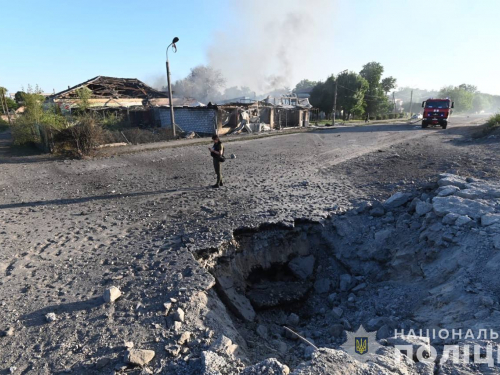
72,228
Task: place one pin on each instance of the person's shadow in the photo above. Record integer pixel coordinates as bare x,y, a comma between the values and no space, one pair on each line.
37,318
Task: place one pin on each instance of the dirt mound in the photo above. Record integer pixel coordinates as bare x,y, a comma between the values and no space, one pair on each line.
414,262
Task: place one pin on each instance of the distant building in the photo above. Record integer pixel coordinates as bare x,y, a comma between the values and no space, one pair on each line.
129,96
239,114
109,92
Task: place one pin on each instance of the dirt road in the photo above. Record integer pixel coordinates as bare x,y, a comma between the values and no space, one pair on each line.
71,228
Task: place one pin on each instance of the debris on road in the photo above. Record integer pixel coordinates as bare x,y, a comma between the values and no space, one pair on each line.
111,294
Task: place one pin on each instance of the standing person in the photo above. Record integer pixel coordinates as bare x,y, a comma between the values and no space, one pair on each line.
217,151
367,119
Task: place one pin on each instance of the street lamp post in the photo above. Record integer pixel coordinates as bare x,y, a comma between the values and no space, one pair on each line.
335,97
172,119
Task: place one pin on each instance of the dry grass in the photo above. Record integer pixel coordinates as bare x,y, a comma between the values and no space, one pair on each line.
491,125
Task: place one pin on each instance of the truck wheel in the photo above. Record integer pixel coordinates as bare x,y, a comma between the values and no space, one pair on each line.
444,124
424,124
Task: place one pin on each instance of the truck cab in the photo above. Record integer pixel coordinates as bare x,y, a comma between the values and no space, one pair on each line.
437,112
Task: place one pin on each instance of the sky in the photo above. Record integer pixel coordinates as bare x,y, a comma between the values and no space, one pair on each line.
426,44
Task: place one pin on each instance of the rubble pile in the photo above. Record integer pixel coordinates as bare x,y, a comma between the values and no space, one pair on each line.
418,261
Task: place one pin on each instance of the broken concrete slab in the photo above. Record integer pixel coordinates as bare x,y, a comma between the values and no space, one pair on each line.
463,220
447,191
139,357
302,267
270,366
449,219
496,241
453,180
239,304
397,200
212,363
345,282
489,219
422,208
461,206
224,345
111,294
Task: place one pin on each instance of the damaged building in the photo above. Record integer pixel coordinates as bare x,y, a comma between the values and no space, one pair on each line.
144,106
237,115
129,97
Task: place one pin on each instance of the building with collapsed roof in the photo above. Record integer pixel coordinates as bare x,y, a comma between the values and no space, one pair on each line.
130,96
109,92
145,106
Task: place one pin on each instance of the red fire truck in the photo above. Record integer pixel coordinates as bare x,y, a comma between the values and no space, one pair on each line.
437,112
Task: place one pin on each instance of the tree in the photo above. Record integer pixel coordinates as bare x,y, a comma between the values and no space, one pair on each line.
18,97
84,94
350,93
468,88
461,95
26,127
6,102
304,85
203,83
11,104
375,99
404,93
372,72
3,90
322,95
388,84
480,102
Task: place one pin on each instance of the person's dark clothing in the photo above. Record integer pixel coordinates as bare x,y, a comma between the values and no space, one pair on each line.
217,147
217,171
216,158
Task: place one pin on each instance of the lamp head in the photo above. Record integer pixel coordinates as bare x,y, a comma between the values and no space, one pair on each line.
175,40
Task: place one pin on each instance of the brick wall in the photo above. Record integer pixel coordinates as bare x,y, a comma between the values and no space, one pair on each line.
199,120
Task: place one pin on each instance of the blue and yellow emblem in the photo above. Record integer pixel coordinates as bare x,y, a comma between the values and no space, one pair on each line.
361,345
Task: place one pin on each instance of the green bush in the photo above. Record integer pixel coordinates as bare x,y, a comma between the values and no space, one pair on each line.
378,117
36,122
113,121
494,121
27,128
81,138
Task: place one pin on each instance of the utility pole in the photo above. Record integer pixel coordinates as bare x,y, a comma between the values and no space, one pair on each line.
334,103
335,96
411,103
171,104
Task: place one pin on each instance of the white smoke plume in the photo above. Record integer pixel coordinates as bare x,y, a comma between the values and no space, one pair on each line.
157,81
268,44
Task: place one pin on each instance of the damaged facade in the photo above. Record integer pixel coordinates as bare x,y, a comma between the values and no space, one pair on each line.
144,106
239,115
128,96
